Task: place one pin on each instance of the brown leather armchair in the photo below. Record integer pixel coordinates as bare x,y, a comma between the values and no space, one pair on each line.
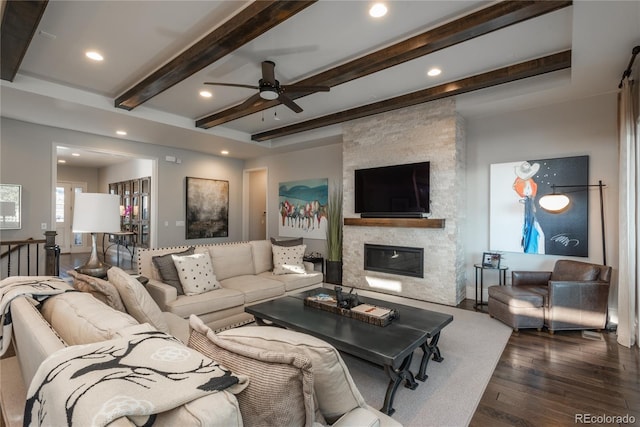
574,295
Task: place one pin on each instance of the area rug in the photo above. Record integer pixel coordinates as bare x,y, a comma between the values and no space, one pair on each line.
471,346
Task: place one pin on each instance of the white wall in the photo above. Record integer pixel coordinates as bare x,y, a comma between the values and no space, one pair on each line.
27,157
583,127
321,162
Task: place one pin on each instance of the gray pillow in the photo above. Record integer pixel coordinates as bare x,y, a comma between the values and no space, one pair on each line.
286,243
167,269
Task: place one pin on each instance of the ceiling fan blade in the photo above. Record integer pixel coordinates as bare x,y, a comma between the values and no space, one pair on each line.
232,85
297,89
268,72
289,103
250,101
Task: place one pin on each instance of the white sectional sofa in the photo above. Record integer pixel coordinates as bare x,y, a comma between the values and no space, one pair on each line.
245,271
317,390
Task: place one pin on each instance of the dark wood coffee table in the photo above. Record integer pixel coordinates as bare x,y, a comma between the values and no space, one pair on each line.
390,346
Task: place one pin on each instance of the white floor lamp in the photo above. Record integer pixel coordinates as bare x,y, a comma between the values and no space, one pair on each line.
96,213
559,202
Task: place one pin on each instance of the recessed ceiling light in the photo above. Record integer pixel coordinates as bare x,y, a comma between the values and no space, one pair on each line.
92,54
75,154
62,161
121,132
205,94
224,152
434,72
378,10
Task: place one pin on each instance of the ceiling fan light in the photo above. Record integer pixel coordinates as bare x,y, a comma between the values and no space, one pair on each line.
554,203
268,93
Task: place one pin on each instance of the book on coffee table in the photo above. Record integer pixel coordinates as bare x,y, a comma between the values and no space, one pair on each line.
371,310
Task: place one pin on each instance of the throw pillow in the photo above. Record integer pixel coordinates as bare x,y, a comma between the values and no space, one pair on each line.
287,242
136,299
288,259
280,390
99,288
167,269
195,273
335,390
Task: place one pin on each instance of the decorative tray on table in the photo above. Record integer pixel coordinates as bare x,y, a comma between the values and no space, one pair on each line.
351,307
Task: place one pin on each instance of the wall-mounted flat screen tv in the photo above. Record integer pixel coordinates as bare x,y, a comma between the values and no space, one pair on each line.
392,191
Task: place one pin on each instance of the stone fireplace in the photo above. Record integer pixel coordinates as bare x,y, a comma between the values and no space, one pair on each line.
431,132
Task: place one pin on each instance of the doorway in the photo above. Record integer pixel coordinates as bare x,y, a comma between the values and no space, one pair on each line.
255,213
69,241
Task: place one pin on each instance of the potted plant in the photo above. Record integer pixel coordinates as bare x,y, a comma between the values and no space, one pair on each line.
334,237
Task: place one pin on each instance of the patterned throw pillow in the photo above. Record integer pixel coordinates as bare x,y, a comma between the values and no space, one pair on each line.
280,390
195,273
288,259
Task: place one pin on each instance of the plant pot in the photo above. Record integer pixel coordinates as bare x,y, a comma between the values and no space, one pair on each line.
333,272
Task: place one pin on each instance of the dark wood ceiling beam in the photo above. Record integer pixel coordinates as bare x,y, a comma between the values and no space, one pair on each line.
19,23
523,70
252,21
476,24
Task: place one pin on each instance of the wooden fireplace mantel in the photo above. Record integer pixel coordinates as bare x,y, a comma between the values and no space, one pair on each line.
396,222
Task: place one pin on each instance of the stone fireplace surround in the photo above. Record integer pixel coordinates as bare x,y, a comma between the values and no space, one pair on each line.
431,132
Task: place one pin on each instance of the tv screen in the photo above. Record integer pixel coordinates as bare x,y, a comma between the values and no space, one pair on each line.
392,189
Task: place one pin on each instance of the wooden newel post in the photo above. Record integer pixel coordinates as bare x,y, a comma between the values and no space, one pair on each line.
52,254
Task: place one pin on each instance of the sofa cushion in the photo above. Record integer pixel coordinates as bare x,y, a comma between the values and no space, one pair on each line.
230,260
220,299
295,281
136,299
196,273
101,289
254,288
335,390
280,390
167,269
262,256
288,259
79,318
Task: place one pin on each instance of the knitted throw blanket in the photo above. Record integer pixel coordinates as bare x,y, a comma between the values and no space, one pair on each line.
139,376
36,287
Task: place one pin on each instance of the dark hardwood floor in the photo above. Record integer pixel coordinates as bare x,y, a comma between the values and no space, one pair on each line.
560,380
543,379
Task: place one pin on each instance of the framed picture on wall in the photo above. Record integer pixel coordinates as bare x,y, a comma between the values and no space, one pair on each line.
207,208
10,207
301,208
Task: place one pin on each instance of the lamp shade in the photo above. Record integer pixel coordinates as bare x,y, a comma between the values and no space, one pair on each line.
554,203
96,213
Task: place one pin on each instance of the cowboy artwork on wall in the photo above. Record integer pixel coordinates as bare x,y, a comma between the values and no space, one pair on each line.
302,208
519,224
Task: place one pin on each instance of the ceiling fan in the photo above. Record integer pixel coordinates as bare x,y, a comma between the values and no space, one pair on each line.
270,88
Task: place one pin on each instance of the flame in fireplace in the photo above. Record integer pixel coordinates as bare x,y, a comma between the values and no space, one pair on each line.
386,284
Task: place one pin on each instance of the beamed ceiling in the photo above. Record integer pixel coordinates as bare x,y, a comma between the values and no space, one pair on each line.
494,56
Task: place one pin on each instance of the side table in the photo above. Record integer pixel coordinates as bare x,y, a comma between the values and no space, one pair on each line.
315,260
502,280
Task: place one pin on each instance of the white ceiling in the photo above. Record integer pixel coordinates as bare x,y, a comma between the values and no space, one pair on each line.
57,86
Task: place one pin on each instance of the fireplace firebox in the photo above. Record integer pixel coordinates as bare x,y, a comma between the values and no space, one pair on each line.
401,260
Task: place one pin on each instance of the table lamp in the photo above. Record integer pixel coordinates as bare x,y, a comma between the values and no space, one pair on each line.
95,213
